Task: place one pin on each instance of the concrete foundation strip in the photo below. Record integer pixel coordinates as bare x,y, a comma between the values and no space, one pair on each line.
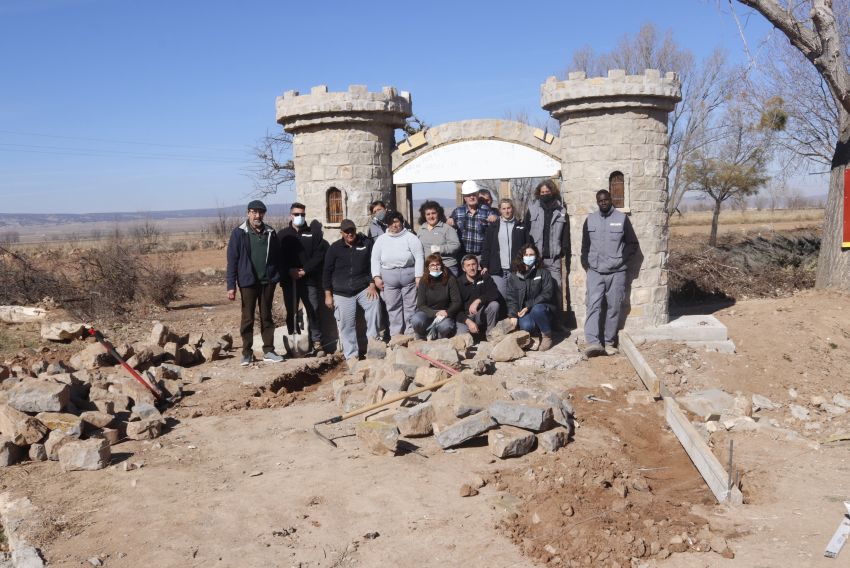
703,458
644,371
14,514
840,537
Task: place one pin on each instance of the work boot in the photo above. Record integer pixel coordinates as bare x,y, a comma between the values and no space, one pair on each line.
545,343
611,350
594,350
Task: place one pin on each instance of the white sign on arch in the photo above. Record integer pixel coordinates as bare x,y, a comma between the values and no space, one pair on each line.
477,159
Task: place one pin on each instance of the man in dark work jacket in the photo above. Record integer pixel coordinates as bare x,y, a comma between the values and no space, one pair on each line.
480,298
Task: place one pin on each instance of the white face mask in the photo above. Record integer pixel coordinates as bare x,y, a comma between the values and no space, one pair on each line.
435,273
298,220
529,260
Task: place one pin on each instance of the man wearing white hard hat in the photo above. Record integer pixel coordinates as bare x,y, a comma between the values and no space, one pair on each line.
471,219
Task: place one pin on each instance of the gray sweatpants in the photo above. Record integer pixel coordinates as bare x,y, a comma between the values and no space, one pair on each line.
400,296
486,318
554,268
611,287
345,312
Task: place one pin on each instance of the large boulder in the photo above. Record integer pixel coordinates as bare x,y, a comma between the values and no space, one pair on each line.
93,356
416,420
37,395
68,424
511,347
535,417
378,437
62,331
84,455
464,430
510,442
21,428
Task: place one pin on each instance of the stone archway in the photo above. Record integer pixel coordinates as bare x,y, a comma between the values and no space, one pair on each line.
472,149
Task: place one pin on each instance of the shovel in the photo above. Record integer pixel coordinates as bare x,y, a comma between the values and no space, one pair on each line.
396,398
111,350
295,347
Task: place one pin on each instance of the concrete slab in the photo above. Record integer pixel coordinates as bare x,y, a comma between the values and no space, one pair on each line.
704,403
686,328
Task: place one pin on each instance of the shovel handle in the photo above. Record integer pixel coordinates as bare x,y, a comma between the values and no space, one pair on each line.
392,399
111,350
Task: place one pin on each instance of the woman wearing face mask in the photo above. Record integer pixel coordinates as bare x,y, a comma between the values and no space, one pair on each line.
378,226
531,295
437,301
397,263
549,229
437,237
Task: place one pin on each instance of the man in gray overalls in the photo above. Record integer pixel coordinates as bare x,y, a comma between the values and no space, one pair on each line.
608,242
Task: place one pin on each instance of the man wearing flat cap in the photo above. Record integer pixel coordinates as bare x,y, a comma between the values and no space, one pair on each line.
253,255
347,280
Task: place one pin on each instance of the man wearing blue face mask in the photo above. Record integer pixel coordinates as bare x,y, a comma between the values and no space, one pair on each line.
304,249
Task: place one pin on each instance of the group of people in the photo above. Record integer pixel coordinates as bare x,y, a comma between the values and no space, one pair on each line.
458,274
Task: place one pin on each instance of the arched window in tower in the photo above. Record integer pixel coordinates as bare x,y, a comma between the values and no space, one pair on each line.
617,188
334,201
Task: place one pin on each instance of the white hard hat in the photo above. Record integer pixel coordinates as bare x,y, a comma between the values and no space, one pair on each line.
469,187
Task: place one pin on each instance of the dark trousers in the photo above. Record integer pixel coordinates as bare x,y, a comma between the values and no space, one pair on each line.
311,297
252,296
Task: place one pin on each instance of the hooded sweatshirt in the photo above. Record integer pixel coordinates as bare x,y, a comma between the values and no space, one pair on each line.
397,250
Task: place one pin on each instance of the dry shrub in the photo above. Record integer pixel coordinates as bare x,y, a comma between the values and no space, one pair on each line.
23,283
755,268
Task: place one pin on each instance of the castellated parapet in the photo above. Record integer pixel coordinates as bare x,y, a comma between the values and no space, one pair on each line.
614,124
343,141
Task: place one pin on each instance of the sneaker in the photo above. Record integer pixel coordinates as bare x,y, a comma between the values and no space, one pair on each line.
611,350
272,357
594,349
545,343
246,360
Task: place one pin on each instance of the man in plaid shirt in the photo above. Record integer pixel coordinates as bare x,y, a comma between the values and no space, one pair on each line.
471,219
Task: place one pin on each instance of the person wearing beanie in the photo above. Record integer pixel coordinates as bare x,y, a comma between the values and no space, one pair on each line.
253,258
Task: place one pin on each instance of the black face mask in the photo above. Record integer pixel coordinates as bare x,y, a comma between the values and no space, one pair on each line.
547,199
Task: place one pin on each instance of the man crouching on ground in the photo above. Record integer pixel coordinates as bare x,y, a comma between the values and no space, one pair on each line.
252,263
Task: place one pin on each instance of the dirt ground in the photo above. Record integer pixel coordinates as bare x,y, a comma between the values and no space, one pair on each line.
239,480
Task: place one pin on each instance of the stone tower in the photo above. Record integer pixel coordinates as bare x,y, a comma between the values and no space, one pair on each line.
341,149
618,125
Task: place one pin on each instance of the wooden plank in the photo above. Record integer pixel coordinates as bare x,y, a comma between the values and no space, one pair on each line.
701,455
644,371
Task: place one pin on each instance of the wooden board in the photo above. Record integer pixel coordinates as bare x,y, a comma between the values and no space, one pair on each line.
703,458
644,371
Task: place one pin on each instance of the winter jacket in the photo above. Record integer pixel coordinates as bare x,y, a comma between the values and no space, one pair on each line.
444,238
239,268
491,253
526,290
558,230
482,288
439,296
347,268
608,242
304,249
397,250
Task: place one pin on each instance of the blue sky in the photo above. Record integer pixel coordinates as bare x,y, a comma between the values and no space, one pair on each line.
120,105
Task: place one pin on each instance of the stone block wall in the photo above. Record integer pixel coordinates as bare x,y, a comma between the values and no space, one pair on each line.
608,124
343,140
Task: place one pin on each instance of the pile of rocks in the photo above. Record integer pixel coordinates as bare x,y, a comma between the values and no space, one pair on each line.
73,412
474,403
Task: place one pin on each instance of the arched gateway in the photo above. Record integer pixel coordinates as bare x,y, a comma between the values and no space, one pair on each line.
613,130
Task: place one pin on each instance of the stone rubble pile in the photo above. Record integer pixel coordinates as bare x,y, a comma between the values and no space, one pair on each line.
73,412
473,404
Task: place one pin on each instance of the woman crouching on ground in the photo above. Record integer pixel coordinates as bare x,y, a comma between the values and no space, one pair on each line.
531,295
437,301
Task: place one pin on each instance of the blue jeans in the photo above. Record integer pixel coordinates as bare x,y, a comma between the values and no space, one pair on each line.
538,318
421,322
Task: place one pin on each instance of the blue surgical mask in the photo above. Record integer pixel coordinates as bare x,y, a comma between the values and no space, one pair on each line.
529,260
298,220
379,216
435,273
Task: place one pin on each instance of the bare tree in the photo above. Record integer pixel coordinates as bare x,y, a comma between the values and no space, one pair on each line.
732,168
812,28
146,235
274,165
705,88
